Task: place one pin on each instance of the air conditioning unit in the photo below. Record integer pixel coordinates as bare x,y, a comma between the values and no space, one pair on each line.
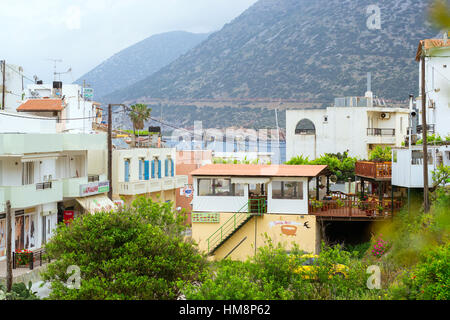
385,115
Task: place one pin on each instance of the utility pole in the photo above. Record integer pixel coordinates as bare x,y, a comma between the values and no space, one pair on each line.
426,203
110,150
4,81
9,276
110,192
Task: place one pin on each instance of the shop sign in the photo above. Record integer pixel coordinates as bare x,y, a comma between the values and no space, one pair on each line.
68,216
94,188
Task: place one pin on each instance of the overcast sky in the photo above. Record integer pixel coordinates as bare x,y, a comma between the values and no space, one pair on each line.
83,33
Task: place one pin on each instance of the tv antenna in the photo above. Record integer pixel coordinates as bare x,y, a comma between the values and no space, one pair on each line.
55,61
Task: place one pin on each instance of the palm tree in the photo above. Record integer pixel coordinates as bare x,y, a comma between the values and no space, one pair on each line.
139,113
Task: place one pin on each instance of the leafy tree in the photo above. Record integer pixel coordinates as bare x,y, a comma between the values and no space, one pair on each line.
339,164
138,253
380,153
139,113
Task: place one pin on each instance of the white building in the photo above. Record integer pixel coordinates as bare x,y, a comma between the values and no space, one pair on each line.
352,124
80,112
437,85
149,172
407,164
46,177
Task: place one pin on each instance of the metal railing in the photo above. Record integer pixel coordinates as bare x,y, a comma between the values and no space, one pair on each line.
380,132
29,259
430,128
93,178
254,207
43,185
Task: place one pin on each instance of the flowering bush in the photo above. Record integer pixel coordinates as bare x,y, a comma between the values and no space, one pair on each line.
23,257
380,247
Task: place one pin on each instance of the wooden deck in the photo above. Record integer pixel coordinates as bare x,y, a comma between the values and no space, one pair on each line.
353,209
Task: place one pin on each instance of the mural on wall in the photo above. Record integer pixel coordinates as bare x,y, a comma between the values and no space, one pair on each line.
289,228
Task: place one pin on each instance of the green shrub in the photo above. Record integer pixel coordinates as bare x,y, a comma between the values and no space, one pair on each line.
19,291
139,253
429,279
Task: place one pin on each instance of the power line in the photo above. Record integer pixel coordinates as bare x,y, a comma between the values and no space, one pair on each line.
43,118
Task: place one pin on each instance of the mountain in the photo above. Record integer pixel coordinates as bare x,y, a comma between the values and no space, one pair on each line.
308,50
140,61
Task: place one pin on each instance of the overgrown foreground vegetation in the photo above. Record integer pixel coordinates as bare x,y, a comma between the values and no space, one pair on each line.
141,253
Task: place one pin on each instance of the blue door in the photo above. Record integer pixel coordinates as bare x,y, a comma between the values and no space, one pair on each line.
159,169
172,167
146,170
127,171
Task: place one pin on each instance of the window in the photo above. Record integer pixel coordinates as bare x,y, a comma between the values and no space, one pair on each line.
219,187
205,187
141,169
305,126
394,155
127,170
417,157
287,190
27,173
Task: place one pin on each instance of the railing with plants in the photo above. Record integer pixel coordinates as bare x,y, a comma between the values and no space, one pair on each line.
29,259
254,207
353,207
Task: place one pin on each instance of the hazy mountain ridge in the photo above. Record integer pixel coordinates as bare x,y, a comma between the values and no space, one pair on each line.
298,49
139,61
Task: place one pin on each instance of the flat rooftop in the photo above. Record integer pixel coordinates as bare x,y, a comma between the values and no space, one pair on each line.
260,170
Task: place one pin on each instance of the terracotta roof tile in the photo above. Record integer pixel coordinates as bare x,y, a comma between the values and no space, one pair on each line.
252,170
429,44
41,105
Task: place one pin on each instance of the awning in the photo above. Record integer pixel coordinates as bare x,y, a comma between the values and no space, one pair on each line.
40,157
244,180
97,203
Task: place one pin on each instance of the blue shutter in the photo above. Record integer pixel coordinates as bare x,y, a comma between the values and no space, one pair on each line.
153,169
147,169
127,171
140,170
166,167
172,167
159,169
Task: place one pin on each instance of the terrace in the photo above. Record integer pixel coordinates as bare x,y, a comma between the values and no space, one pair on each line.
343,206
374,170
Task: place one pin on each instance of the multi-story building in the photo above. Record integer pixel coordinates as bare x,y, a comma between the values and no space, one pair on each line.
46,179
77,113
353,124
47,176
407,161
149,172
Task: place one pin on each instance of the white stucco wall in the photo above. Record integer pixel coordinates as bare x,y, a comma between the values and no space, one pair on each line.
345,129
408,175
437,75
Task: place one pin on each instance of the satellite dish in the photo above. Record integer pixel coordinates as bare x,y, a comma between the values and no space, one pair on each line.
333,178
